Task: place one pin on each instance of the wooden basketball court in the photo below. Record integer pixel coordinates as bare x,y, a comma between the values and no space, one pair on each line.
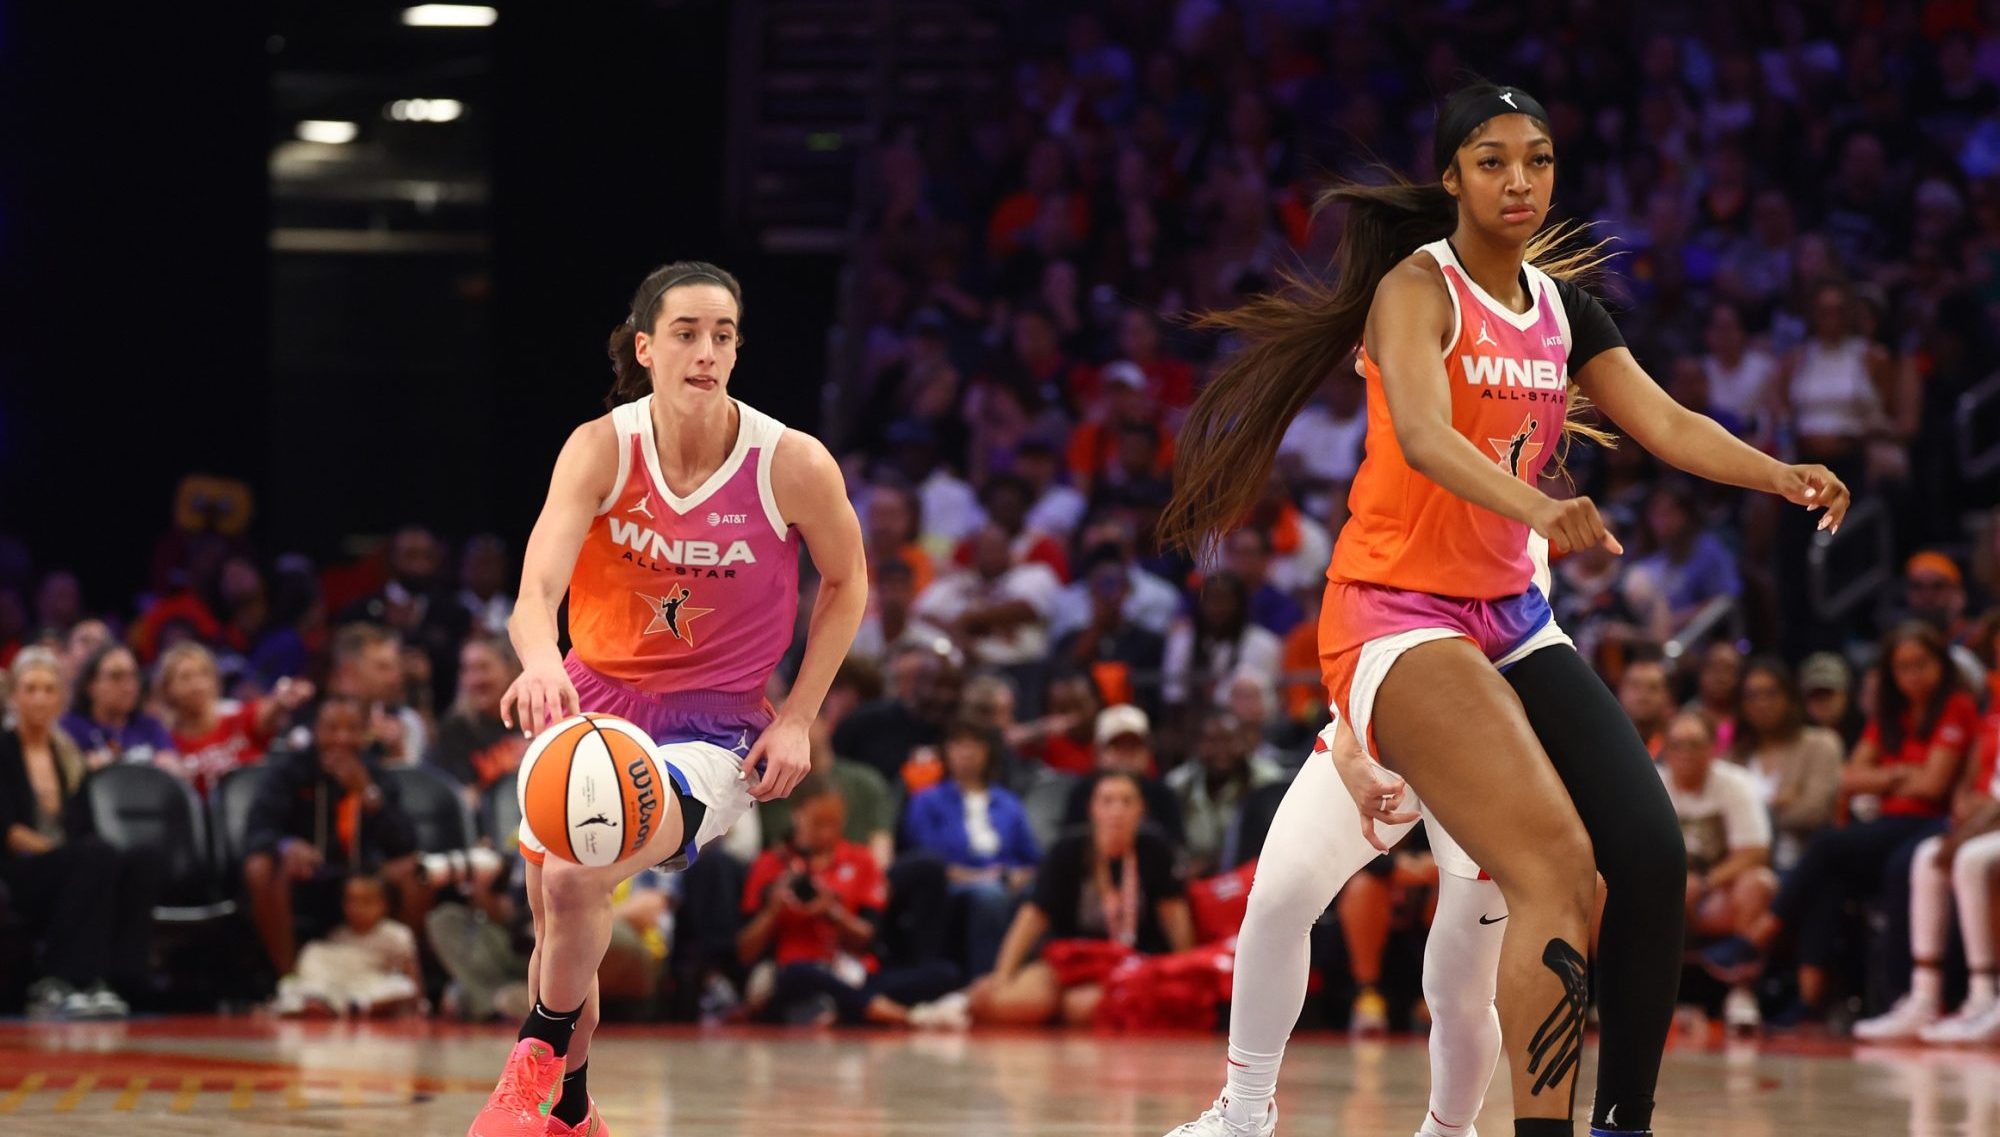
251,1078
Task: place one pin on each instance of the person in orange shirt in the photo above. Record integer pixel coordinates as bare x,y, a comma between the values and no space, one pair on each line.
1470,348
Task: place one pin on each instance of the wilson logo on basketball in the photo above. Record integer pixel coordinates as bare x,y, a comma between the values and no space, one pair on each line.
640,771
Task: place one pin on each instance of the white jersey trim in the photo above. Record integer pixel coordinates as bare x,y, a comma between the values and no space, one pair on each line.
722,474
1519,321
767,456
621,421
1441,253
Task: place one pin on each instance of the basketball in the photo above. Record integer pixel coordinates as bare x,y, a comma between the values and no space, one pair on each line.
591,789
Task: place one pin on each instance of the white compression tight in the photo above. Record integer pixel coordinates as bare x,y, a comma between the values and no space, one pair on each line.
1970,882
1315,845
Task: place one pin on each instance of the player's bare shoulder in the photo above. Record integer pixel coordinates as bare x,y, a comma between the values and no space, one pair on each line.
1413,295
588,464
806,480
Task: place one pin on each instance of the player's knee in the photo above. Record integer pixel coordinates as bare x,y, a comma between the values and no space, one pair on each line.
1649,857
569,889
1556,870
1288,897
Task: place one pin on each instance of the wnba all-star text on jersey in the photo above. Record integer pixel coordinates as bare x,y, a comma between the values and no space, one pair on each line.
708,560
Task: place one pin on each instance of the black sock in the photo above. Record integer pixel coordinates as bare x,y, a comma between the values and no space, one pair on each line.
552,1027
1544,1127
574,1104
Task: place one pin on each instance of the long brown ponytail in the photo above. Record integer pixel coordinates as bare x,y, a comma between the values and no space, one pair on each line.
630,380
1294,339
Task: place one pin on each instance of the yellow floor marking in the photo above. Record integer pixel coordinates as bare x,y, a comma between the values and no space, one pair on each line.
83,1085
295,1094
241,1098
130,1097
350,1092
184,1101
28,1085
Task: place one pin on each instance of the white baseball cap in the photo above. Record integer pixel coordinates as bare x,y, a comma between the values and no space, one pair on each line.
1123,719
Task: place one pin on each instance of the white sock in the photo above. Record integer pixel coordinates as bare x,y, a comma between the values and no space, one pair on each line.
1432,1127
1253,1079
1461,978
1927,984
1314,846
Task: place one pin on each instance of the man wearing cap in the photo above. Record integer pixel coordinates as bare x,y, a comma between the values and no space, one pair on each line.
1125,744
1934,592
1127,402
1827,684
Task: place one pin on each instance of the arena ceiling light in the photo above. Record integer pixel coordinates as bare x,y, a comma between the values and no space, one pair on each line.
450,16
330,131
425,110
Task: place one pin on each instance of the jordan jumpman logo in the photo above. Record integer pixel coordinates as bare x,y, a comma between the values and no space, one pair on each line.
644,507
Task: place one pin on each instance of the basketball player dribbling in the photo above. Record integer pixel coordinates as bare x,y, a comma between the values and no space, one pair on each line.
1515,746
669,523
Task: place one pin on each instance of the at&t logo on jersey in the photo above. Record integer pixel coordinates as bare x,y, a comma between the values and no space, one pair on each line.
678,555
727,518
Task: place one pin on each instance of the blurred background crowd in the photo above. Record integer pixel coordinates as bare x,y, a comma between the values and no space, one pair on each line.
298,765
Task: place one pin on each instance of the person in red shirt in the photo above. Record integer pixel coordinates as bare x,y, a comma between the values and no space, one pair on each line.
214,735
811,905
1127,401
1169,379
1909,758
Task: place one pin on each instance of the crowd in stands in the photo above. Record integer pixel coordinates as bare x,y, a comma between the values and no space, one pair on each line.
1044,773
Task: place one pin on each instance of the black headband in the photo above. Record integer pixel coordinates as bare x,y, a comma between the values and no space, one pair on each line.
1463,116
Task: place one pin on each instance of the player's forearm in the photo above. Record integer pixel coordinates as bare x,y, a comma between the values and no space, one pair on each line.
1699,445
1448,458
532,628
836,617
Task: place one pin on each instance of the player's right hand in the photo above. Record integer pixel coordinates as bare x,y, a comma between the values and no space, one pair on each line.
1571,524
1378,791
538,698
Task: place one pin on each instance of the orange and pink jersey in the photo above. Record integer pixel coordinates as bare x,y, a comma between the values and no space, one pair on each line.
1416,561
1509,380
674,596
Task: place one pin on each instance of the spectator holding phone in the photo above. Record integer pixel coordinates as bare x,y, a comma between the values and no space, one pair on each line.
811,907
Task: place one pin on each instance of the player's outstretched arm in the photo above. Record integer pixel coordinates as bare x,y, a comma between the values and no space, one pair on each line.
812,495
585,471
1698,444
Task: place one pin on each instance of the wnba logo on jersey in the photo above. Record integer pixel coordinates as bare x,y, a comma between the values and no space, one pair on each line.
679,555
1495,371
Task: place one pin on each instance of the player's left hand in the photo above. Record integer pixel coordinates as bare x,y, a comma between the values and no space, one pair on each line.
1815,487
1378,791
785,749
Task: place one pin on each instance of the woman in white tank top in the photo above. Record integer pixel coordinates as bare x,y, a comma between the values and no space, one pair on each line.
1836,382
